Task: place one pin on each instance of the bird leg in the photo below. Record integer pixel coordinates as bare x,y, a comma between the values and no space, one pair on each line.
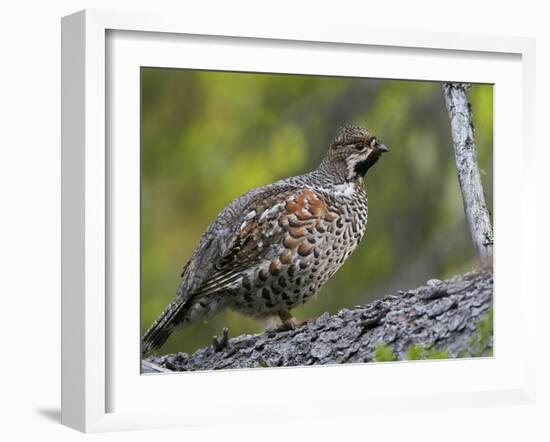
292,324
270,323
289,322
279,322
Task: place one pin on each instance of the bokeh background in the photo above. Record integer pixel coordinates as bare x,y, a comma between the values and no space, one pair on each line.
208,137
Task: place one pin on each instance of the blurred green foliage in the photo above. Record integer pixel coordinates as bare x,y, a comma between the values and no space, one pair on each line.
208,137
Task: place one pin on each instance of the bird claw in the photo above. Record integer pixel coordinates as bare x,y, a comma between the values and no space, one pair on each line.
219,343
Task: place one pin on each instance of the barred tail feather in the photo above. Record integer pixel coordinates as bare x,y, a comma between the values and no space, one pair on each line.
163,327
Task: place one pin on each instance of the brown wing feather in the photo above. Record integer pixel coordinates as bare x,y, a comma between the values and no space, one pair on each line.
242,248
299,209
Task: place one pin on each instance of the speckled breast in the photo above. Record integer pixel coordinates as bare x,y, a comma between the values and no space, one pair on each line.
309,236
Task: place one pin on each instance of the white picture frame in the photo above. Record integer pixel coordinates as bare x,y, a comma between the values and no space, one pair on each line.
93,359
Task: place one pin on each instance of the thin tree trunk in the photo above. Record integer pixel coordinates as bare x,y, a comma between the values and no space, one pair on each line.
475,208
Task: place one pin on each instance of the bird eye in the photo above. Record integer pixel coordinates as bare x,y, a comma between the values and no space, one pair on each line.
360,146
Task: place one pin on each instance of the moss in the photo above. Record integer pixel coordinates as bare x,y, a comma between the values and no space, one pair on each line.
485,329
433,353
479,342
384,353
417,352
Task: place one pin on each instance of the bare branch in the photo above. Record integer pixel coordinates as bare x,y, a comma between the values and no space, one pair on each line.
477,214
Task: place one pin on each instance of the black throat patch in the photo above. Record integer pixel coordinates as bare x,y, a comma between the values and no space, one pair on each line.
362,167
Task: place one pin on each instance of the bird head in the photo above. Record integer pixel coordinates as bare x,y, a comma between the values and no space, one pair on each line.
354,151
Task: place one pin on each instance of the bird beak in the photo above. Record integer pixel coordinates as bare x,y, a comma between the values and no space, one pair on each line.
382,148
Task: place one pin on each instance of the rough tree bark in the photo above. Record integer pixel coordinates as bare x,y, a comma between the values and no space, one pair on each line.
446,315
475,208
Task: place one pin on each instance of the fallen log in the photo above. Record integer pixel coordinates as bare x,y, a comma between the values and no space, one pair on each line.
441,319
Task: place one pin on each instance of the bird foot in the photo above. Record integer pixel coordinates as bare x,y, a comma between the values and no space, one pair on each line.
290,324
219,343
